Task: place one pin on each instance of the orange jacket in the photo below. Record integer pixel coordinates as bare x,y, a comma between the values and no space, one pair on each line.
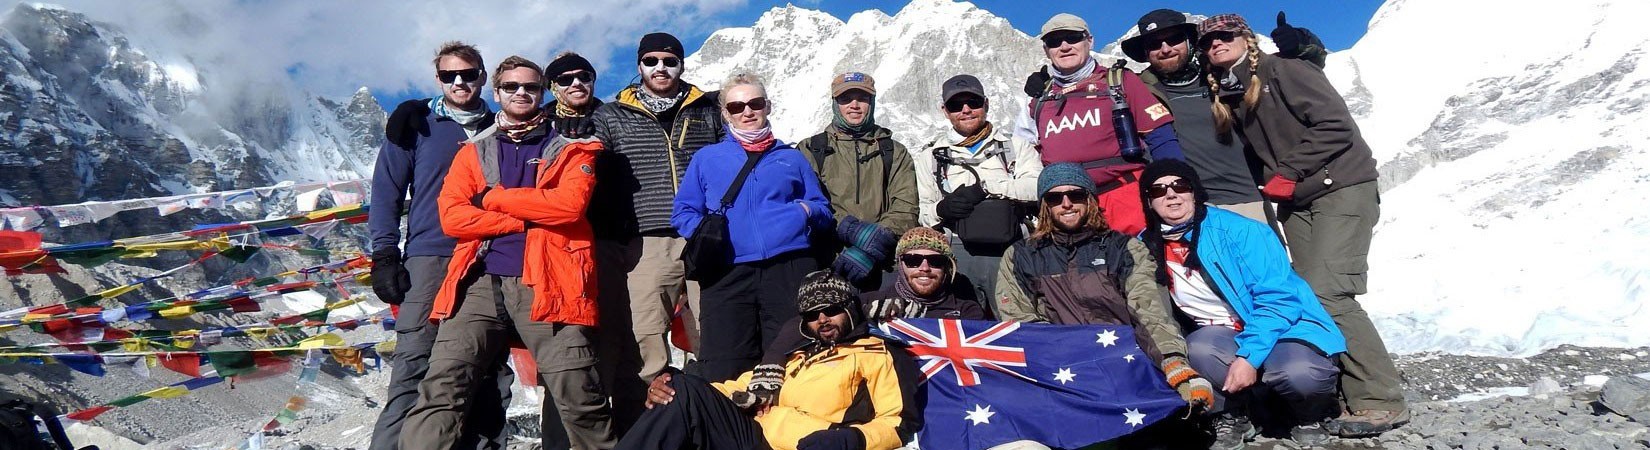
557,262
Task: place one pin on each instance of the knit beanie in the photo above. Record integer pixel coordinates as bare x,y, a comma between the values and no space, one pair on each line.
659,42
1165,167
821,289
1064,174
566,62
1152,235
923,238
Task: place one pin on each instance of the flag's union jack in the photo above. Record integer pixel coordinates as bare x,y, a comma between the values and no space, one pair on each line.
964,354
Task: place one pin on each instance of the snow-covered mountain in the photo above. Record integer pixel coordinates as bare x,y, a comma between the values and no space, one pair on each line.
1515,168
84,115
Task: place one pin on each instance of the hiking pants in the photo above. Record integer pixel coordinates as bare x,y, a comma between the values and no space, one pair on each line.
743,311
1298,373
1329,242
414,335
698,417
476,334
979,266
640,282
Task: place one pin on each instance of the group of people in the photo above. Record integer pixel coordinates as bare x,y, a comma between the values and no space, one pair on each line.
576,231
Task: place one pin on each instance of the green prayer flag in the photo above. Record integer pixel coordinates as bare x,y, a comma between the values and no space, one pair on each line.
128,401
232,363
240,253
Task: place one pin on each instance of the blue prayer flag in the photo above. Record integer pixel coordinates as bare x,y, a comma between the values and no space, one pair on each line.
1065,386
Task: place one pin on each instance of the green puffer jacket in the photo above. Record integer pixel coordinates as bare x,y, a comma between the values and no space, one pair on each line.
854,177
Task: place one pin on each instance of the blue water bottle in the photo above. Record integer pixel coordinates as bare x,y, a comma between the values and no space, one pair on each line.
1122,121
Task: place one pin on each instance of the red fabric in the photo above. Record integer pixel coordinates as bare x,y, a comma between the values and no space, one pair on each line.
527,370
243,304
1079,130
13,241
1122,209
759,146
184,363
50,309
558,263
89,413
1279,189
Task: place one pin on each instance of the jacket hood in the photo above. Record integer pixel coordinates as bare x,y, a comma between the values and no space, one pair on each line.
695,96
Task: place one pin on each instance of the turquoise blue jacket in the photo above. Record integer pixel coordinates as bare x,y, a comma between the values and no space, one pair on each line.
1250,268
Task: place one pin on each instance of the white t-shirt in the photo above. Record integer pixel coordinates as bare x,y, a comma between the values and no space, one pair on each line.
1192,292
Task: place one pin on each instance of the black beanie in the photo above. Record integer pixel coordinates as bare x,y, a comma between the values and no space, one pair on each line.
1165,167
566,62
659,42
1152,236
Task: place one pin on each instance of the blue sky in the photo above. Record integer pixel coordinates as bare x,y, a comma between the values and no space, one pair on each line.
1339,23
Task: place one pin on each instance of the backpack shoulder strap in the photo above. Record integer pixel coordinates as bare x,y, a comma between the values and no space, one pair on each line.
739,181
819,145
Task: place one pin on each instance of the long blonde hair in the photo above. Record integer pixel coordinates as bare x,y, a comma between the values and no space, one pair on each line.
1045,219
1251,94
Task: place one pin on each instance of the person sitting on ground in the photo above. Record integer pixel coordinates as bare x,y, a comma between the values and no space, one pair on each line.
849,390
1230,279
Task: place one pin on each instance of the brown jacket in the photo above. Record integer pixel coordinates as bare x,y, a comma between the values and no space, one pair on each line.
1301,128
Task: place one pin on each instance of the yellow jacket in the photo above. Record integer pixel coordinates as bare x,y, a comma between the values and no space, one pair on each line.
862,384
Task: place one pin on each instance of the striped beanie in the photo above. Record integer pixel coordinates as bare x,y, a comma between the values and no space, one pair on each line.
923,238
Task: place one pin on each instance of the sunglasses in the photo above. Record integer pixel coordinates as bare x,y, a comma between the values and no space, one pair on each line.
581,76
1160,190
447,76
756,104
934,261
1057,39
512,87
1076,197
1209,38
829,311
956,104
670,61
851,96
1153,43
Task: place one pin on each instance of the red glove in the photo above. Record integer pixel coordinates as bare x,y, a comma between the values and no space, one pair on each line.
1279,189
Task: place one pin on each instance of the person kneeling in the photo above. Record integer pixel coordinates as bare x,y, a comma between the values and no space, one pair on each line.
845,389
1254,316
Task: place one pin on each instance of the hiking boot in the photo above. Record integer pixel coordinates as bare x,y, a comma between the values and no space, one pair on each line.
1231,432
1310,435
1370,422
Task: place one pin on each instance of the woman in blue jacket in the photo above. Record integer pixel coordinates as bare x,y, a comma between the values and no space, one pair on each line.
769,223
1252,318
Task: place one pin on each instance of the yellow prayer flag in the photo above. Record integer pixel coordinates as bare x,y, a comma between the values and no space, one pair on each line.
260,333
320,341
177,312
167,392
32,318
134,344
349,357
117,291
344,303
172,245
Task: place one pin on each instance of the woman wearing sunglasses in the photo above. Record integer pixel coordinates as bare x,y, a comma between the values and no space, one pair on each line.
1253,322
1321,173
769,219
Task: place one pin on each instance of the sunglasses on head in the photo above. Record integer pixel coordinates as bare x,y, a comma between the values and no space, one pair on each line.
934,261
1209,38
956,104
829,311
447,76
511,87
1155,42
1075,196
756,104
1070,37
670,61
581,76
1162,189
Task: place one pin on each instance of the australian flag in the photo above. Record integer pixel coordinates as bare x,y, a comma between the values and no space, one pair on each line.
1065,386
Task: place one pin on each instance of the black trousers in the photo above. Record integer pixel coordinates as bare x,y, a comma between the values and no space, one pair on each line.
699,418
740,313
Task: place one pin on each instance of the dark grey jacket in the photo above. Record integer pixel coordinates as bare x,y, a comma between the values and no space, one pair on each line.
646,156
1301,128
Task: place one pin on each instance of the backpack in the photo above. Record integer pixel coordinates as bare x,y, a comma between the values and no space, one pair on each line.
19,429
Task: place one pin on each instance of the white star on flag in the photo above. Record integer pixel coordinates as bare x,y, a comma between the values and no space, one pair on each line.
1107,338
1065,375
1134,418
1129,357
982,414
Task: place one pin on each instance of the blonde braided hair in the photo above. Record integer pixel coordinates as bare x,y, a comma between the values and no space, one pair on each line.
1251,94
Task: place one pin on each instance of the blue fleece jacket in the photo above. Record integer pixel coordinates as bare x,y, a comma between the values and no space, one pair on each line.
420,170
767,218
1250,267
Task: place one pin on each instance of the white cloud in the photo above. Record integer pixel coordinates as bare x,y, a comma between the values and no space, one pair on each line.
333,48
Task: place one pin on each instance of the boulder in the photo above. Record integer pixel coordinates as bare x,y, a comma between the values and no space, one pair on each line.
1628,396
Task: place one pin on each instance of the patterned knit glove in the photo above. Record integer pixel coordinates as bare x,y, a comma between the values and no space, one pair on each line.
853,264
766,379
1194,389
876,241
894,308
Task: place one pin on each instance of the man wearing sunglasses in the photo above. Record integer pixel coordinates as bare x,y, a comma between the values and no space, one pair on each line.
1167,42
1074,269
421,138
847,390
1254,325
573,84
651,132
515,200
960,172
925,285
869,178
1071,119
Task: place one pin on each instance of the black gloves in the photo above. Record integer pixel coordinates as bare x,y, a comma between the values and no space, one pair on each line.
1037,83
1298,43
476,199
389,280
959,204
407,123
576,127
846,438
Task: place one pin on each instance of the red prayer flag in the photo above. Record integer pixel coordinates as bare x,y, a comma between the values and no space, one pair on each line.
89,413
182,362
527,370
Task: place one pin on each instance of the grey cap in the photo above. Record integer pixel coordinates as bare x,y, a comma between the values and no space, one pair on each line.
1063,22
960,84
